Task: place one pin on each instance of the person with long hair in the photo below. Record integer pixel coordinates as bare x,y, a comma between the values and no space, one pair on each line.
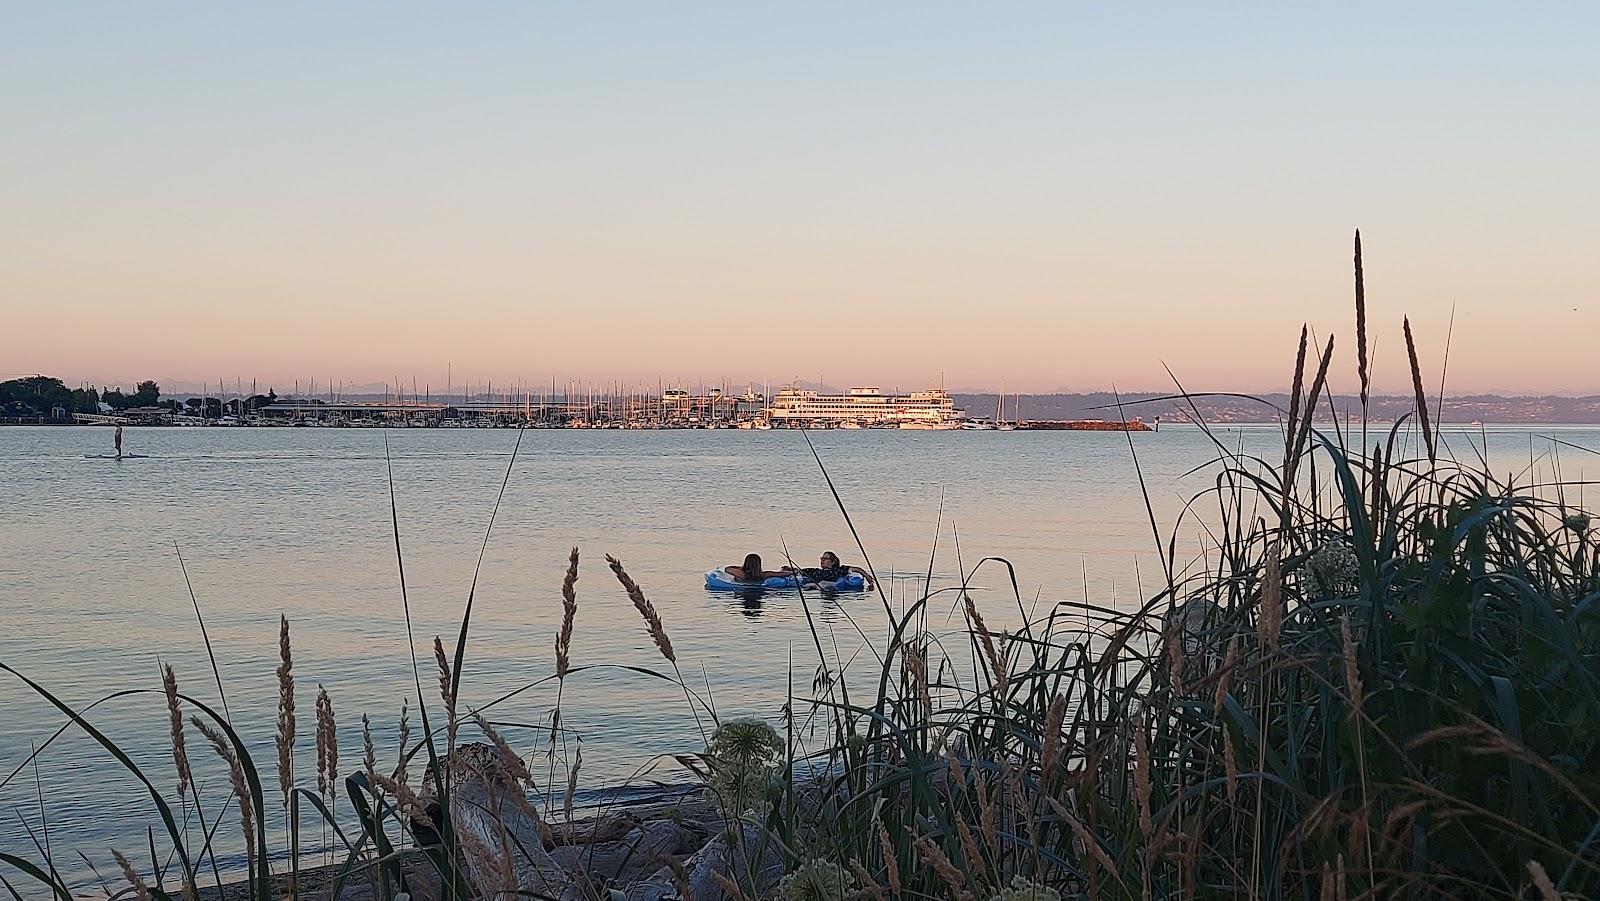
751,571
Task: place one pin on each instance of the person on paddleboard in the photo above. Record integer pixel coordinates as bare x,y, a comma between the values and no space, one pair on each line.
118,439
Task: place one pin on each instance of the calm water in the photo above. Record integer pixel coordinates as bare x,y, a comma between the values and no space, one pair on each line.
297,521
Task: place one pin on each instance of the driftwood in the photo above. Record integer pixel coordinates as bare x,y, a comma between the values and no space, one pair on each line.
504,846
640,849
745,855
502,843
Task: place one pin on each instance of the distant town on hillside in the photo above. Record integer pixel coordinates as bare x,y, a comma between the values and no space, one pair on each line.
1239,409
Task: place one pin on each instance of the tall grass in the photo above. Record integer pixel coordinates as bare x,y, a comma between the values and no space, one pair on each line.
1381,679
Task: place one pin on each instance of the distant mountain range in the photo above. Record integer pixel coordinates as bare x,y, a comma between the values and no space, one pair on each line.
1491,408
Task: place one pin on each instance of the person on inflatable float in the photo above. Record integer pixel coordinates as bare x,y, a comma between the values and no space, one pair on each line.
830,570
752,572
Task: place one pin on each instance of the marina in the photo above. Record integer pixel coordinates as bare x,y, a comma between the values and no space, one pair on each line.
791,407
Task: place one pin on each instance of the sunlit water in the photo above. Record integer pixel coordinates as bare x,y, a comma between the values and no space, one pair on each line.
297,521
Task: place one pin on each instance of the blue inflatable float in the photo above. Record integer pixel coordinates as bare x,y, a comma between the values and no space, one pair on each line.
720,580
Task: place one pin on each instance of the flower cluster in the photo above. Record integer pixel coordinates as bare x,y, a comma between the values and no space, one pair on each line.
743,755
821,880
1330,571
1023,890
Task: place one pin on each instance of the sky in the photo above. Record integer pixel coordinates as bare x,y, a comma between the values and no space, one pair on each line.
1059,196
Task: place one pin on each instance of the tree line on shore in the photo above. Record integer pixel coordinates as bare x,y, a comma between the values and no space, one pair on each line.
41,395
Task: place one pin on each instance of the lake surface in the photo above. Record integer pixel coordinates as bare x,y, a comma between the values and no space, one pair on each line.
297,521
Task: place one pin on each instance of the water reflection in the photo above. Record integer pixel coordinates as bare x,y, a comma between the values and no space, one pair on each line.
748,601
752,601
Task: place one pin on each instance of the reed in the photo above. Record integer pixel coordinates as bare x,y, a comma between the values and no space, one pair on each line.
327,746
447,693
180,752
369,753
285,736
516,767
569,612
405,741
652,619
1363,370
1422,397
140,889
238,781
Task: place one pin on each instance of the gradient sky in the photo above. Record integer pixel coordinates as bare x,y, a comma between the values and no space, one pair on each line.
1058,195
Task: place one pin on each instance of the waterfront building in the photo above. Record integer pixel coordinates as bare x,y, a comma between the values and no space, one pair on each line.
868,406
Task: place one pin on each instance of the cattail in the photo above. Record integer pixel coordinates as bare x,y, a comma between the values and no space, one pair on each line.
1339,878
891,861
940,864
1230,764
569,609
1352,674
997,670
327,746
658,632
1361,328
406,799
1269,619
447,694
1050,748
180,754
1327,875
1541,881
1141,774
369,754
285,711
1416,384
140,890
236,780
868,884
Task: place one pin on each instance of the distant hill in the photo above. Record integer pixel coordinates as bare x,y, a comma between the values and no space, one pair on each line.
1469,408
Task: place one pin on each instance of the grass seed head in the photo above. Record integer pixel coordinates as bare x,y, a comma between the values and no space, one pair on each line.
652,619
180,753
286,730
140,889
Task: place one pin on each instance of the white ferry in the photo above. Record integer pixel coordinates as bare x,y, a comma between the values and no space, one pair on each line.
930,409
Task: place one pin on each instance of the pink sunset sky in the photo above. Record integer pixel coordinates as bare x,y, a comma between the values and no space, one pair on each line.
1057,197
